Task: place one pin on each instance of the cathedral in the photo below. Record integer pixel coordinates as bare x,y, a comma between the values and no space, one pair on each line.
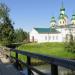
57,32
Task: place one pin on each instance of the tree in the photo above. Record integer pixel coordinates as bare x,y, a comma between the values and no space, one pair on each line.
6,27
70,44
20,35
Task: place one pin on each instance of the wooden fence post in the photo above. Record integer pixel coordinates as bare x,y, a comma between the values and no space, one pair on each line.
54,69
17,60
28,63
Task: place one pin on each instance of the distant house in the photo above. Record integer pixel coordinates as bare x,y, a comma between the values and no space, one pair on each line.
57,32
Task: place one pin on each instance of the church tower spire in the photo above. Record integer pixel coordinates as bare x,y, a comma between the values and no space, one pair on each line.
62,9
63,18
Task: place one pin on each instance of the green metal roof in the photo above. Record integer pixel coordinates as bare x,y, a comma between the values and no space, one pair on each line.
73,17
62,9
46,30
62,16
53,19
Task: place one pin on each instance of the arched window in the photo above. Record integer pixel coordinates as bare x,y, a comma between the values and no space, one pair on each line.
49,37
56,37
45,37
53,37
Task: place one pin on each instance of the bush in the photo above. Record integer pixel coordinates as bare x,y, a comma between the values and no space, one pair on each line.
70,44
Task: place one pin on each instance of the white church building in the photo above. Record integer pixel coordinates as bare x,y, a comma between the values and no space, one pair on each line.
57,32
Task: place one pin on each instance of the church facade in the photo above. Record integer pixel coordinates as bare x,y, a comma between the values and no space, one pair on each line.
57,32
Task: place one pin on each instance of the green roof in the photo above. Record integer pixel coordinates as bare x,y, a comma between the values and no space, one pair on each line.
62,9
52,19
46,30
62,16
73,17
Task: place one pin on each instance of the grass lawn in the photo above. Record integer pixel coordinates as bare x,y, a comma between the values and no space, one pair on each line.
51,49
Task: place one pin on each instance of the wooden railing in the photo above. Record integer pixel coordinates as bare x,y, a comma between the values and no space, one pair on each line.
55,62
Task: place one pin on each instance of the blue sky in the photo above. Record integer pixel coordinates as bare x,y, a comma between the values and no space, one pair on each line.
36,13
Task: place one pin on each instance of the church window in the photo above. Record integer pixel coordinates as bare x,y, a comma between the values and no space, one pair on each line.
49,37
53,37
45,37
56,37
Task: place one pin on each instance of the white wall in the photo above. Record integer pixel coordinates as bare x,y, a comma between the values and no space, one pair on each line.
50,38
35,34
47,37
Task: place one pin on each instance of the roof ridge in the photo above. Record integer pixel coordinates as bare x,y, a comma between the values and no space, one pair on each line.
46,30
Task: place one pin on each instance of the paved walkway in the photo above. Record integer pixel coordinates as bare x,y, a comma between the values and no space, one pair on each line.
5,67
8,70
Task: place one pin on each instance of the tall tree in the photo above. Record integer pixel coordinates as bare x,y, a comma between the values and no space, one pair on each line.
20,35
6,27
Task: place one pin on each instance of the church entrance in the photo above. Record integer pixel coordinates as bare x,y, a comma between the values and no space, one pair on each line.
32,38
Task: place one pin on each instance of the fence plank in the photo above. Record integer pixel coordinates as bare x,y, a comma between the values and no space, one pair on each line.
54,69
17,60
29,63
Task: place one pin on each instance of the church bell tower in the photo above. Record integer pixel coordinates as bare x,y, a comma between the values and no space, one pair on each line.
73,19
63,18
52,22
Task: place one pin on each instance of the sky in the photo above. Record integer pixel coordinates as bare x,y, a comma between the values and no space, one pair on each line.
28,14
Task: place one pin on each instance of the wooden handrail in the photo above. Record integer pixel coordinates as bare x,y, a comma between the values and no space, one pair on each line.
55,62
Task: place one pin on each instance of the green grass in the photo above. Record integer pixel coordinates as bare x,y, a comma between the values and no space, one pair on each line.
51,49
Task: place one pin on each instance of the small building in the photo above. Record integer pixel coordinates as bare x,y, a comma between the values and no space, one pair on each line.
57,32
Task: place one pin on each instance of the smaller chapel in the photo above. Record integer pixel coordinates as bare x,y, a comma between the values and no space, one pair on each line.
57,32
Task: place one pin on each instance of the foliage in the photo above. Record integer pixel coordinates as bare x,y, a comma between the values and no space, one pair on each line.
70,44
6,28
20,35
4,10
